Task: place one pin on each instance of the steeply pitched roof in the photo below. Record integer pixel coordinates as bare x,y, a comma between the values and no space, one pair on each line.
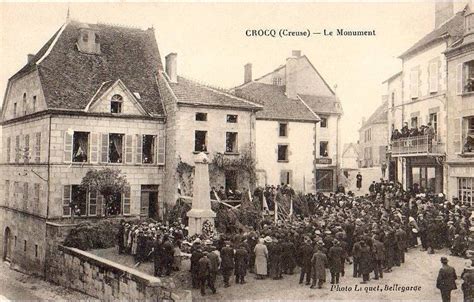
276,104
193,93
347,146
378,117
70,78
322,104
454,28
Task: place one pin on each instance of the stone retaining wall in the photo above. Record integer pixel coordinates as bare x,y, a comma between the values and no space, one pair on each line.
107,280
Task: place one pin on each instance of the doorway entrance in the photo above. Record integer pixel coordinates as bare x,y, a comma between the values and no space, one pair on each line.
149,201
7,245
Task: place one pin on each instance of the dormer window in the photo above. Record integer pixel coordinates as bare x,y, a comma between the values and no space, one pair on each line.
469,22
116,104
276,81
88,40
85,37
97,38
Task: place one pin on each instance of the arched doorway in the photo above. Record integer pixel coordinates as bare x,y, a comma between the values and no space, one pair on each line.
7,246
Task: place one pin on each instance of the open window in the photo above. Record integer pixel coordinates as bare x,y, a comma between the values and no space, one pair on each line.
116,104
468,134
149,149
323,149
78,200
200,141
232,118
324,122
283,130
201,116
282,152
80,147
116,148
231,142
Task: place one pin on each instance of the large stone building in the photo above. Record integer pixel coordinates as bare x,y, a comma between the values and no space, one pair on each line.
460,143
298,141
88,99
420,160
373,138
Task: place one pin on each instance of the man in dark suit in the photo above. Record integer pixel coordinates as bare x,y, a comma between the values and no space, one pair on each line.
204,274
446,281
227,262
379,257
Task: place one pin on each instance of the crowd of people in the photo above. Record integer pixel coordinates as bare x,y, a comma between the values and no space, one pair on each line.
372,232
406,131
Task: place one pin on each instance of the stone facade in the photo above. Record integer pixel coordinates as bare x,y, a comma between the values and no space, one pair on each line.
372,145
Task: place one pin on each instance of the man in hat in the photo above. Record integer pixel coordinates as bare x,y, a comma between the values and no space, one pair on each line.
446,281
319,263
306,253
158,255
204,274
196,255
214,268
227,262
241,258
167,255
336,261
379,257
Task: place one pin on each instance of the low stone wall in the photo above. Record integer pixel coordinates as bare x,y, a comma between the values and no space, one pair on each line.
107,280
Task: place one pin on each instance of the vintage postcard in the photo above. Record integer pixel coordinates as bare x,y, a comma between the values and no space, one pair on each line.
217,151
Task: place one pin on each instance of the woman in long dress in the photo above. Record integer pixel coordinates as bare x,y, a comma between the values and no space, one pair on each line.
261,256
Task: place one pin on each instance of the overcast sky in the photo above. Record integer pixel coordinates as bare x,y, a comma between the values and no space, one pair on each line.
212,46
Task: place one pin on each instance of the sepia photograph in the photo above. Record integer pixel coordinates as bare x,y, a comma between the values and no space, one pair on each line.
237,151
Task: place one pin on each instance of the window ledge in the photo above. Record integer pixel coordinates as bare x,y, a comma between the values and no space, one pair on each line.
465,154
231,153
197,152
467,93
283,161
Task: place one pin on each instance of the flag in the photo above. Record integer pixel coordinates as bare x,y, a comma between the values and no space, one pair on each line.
276,211
291,207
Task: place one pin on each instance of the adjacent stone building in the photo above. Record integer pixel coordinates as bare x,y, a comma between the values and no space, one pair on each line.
87,99
460,110
420,160
202,118
297,136
373,138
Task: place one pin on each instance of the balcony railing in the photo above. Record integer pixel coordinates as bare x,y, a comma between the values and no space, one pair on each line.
418,145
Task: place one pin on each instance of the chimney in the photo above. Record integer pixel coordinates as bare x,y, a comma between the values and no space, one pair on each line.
296,53
443,11
30,57
247,73
171,66
291,78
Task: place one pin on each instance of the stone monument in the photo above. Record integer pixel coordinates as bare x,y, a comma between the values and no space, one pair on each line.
201,206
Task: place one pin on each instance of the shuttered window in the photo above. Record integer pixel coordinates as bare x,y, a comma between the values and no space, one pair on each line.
126,201
93,203
67,147
36,196
7,192
9,147
67,200
414,83
433,76
26,154
128,149
139,145
459,78
100,204
94,147
457,135
25,195
17,149
38,147
161,147
104,150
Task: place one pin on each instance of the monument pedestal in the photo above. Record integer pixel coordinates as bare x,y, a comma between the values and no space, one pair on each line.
197,218
201,206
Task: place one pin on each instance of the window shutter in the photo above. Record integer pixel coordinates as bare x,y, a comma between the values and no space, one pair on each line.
100,203
128,149
38,147
67,200
94,148
282,177
17,149
459,79
457,135
139,148
67,147
161,147
93,203
126,201
7,192
9,147
433,76
26,149
104,152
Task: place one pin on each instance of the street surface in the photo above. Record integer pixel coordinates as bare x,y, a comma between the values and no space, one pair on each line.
368,176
